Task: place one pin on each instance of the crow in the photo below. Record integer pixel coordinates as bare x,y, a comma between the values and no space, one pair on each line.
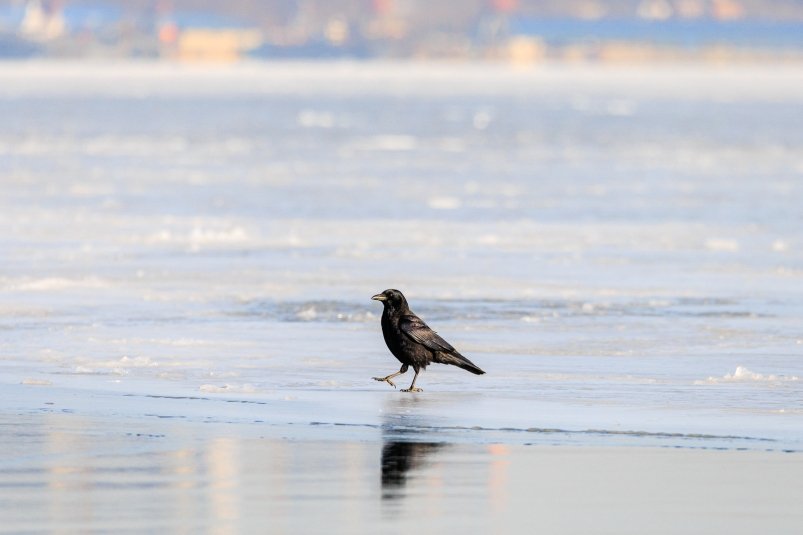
413,342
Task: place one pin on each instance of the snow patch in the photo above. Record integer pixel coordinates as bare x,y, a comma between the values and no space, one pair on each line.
244,388
744,375
36,382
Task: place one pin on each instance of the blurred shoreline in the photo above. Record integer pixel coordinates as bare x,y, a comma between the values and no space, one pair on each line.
522,32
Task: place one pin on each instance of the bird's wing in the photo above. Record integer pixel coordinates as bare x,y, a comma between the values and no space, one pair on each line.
416,329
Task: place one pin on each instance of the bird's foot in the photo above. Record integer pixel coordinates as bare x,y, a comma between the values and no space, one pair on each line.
412,389
385,380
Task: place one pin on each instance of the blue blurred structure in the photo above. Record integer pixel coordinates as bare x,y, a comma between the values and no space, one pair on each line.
673,32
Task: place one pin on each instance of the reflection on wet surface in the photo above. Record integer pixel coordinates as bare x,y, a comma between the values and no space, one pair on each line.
405,449
401,458
65,472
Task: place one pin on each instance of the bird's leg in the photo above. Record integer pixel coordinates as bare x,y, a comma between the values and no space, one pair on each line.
387,379
412,386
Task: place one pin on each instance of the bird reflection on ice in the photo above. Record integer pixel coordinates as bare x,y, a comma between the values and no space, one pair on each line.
398,459
403,451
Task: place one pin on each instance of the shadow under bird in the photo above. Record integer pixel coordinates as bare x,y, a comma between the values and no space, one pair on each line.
413,342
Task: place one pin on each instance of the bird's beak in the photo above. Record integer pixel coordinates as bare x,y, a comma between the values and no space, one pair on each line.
379,297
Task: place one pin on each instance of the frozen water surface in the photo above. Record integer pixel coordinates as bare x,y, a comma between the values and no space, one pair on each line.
620,249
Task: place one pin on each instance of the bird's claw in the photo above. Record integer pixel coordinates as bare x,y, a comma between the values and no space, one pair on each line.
415,389
384,380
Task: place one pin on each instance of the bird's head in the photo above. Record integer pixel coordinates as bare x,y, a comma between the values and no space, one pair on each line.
391,298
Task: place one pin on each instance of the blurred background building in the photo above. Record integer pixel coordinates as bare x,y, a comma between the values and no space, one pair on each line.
522,31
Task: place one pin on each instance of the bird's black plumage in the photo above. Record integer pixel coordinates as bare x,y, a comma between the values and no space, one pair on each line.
413,342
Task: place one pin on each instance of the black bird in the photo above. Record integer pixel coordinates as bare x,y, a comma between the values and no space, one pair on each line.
412,342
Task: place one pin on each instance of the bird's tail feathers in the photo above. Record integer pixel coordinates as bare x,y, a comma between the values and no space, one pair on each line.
456,359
